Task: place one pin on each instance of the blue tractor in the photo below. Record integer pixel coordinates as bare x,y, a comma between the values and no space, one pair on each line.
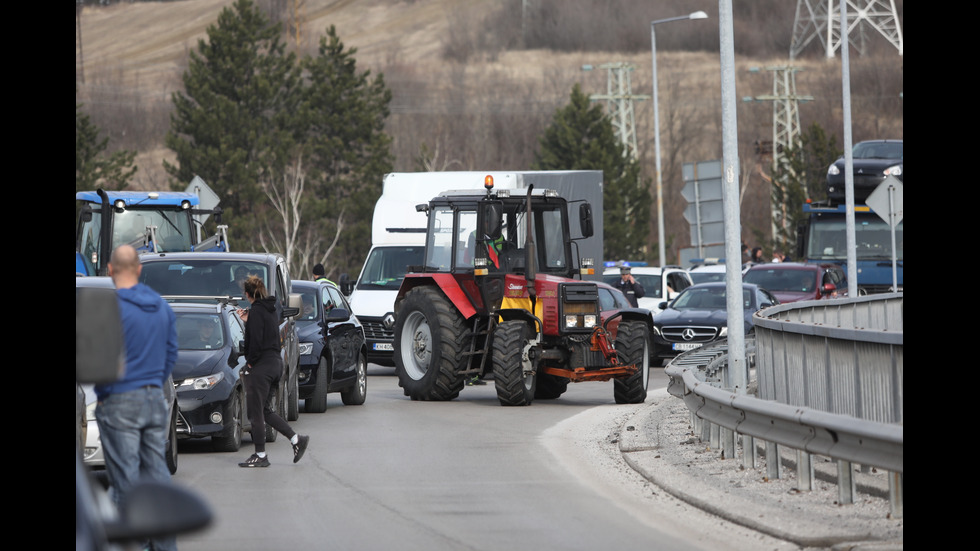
150,221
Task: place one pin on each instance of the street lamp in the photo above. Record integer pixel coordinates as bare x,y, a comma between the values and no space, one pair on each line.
656,127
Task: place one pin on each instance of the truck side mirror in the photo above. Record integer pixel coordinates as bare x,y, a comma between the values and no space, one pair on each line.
346,285
585,219
492,221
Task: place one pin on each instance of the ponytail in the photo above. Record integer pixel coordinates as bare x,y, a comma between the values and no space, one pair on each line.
254,286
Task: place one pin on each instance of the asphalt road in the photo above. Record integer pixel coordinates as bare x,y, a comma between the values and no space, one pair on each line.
465,474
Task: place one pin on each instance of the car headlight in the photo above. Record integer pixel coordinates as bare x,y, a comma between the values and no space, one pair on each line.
656,331
201,383
894,170
305,348
723,332
833,170
90,411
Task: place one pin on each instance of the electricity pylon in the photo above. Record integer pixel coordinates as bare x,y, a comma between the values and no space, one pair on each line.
863,16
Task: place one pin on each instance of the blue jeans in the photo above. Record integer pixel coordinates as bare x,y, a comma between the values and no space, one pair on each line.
133,428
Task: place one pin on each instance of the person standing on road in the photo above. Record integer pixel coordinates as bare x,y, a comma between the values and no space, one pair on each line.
629,286
262,374
132,412
320,274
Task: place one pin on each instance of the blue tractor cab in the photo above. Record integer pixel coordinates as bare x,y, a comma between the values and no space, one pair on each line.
150,221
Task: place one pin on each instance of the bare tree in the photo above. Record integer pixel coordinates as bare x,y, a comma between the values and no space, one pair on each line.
300,242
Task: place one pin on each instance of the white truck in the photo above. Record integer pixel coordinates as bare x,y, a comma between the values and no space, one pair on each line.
398,236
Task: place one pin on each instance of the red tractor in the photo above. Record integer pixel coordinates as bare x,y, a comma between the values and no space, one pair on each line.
496,295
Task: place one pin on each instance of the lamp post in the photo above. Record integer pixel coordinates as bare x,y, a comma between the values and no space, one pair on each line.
656,127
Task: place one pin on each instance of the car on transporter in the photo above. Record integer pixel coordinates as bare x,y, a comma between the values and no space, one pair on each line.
699,315
332,347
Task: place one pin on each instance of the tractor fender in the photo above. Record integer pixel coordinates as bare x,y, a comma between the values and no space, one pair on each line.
447,283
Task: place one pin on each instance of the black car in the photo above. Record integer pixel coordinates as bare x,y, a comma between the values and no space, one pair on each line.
699,315
212,277
873,161
210,393
333,351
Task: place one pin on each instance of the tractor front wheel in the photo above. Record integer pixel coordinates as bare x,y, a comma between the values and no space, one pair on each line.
513,374
429,344
633,346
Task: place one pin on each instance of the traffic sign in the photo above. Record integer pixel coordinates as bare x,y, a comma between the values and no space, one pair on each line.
887,201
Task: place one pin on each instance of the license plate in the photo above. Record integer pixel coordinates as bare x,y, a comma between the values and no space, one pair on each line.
384,346
686,345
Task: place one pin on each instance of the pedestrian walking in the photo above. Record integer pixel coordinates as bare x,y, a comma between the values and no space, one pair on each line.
132,413
262,373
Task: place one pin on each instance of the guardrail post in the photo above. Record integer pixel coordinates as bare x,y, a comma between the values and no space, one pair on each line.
804,470
749,456
846,485
774,467
896,494
727,443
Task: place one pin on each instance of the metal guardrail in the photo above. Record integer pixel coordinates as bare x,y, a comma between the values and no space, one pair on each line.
829,377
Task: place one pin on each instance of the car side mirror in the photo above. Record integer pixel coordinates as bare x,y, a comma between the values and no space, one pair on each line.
294,307
828,288
154,509
338,314
662,305
99,352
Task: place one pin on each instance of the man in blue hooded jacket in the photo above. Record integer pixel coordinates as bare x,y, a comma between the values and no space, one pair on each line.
132,413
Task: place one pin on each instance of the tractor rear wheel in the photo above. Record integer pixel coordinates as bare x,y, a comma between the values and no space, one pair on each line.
430,336
633,346
513,375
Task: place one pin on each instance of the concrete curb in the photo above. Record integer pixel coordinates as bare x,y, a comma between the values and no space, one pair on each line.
658,443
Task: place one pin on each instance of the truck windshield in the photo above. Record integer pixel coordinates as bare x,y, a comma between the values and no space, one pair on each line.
386,266
173,229
872,236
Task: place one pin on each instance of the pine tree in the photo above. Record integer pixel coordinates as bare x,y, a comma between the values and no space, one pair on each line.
93,168
238,119
800,174
346,110
581,137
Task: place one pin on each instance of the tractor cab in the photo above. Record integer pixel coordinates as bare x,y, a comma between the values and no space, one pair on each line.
149,221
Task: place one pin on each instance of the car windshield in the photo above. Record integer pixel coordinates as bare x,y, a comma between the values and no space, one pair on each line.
702,276
199,331
193,277
774,279
878,150
707,298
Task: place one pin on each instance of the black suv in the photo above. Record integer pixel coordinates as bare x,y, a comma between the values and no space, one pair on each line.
212,276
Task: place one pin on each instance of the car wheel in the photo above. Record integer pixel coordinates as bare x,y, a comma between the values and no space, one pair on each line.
355,395
232,441
171,448
317,402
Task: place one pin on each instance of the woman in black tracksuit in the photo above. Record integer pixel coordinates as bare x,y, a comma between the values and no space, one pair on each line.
262,374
